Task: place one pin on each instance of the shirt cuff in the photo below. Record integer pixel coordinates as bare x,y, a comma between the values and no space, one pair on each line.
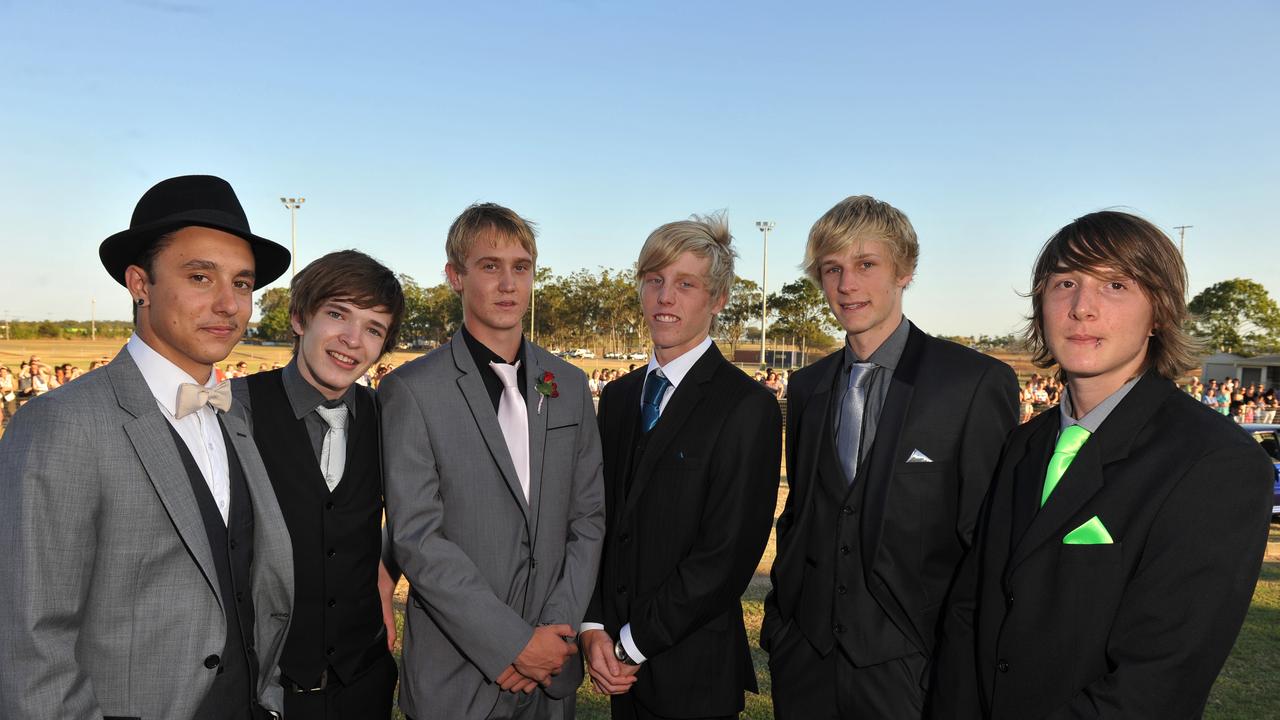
589,626
629,645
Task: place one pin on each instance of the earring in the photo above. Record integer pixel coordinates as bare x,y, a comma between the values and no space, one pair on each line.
142,302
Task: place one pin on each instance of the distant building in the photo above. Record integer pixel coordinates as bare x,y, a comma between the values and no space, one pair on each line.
1263,369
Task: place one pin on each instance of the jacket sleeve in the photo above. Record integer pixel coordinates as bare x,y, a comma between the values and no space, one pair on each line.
49,505
796,401
991,416
1187,599
488,632
734,528
595,607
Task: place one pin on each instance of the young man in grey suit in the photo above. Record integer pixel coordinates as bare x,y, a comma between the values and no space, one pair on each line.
494,496
146,570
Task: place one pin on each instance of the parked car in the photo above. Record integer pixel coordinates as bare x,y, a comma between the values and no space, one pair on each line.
638,356
1268,436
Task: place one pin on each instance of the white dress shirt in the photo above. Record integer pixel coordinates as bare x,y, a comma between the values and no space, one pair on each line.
674,371
200,430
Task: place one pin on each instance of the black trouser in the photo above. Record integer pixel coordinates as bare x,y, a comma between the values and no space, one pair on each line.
369,695
809,686
624,707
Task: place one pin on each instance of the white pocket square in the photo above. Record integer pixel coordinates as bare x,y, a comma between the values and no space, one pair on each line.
917,456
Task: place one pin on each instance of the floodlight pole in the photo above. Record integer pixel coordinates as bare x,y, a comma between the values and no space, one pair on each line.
293,205
764,226
1182,236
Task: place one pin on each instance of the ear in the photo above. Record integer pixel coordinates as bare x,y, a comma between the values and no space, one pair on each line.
454,277
136,280
720,303
905,280
295,322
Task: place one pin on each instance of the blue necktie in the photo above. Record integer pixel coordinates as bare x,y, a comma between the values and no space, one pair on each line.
655,386
849,432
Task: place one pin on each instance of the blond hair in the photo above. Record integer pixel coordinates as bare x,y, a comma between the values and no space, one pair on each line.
1116,241
856,219
706,236
482,218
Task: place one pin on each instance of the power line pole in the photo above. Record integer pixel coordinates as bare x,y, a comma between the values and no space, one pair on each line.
1182,235
93,319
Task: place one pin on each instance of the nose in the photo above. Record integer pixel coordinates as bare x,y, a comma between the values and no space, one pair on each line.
666,295
507,280
848,282
1082,304
226,302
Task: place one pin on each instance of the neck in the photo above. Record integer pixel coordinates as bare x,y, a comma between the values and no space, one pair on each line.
865,343
665,355
506,343
327,393
197,370
1089,392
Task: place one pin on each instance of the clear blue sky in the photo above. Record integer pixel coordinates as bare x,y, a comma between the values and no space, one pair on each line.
990,124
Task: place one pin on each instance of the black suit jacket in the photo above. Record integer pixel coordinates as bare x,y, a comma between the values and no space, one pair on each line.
953,404
1134,629
683,544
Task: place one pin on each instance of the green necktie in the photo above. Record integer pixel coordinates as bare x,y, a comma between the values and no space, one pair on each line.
1069,443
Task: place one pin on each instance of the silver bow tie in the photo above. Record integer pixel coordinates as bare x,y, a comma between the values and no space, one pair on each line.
192,397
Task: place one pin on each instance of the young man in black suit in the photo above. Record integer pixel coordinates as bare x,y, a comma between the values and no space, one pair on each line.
1124,533
317,430
891,444
692,448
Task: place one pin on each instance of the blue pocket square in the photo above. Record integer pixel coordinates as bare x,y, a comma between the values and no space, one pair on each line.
1091,532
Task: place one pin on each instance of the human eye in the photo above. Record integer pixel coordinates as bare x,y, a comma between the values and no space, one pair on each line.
866,265
375,332
1117,285
832,270
334,314
243,285
199,278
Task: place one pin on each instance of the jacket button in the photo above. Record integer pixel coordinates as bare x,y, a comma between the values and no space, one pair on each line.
1008,600
333,602
331,553
329,651
622,589
212,661
847,510
233,544
624,538
842,589
328,505
1002,666
838,629
844,549
240,597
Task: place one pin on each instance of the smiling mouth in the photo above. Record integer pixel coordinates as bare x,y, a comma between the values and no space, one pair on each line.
344,359
665,318
220,330
853,305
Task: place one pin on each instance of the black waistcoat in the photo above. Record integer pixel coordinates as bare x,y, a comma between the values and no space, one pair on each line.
836,604
337,536
234,686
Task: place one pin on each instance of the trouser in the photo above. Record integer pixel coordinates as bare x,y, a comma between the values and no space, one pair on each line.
810,686
368,695
625,707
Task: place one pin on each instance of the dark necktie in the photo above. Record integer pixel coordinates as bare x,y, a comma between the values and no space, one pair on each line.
655,385
849,437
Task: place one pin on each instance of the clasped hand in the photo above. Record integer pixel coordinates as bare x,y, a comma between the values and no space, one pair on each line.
541,660
608,675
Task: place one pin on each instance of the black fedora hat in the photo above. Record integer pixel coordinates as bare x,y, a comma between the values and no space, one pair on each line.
202,200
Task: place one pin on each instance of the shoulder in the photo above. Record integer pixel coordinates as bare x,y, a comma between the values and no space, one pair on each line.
806,378
1183,420
565,373
958,359
435,362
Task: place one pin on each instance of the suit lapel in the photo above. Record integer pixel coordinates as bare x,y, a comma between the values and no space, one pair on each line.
876,472
818,449
682,403
473,391
1085,477
538,409
1028,475
152,439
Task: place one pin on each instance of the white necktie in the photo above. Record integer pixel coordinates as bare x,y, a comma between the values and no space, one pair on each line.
333,451
513,418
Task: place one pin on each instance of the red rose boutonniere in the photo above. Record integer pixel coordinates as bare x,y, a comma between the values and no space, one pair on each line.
546,387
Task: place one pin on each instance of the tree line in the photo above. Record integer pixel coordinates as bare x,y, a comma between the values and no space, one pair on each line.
600,310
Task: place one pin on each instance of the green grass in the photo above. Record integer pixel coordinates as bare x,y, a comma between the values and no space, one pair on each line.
1247,689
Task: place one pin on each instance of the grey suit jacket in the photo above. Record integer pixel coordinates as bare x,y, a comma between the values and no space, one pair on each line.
485,566
109,601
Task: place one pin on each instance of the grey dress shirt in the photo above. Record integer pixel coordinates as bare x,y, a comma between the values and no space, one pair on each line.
303,400
886,359
1095,417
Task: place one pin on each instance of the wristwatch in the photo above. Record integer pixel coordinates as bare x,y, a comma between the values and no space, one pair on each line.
620,653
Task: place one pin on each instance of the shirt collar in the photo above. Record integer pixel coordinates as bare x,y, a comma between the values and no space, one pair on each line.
304,397
676,369
162,376
1095,417
889,354
483,354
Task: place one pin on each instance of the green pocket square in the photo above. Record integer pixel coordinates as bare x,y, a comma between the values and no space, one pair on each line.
1092,532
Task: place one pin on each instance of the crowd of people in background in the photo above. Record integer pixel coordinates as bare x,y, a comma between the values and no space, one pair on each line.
1252,404
1038,394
